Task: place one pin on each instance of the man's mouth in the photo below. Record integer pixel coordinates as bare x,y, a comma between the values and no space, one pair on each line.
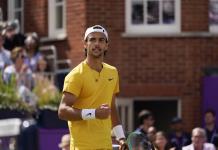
96,49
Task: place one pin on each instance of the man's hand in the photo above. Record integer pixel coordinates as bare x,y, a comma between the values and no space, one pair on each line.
103,112
123,144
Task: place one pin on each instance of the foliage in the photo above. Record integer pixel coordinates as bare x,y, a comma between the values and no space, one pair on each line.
9,97
47,93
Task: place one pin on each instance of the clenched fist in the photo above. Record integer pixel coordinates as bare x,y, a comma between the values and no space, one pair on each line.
103,111
123,145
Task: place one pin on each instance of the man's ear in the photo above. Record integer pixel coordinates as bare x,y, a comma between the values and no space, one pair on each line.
84,44
107,45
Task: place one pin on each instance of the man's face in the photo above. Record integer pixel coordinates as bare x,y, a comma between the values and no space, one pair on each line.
151,133
149,121
209,118
96,45
31,44
177,127
198,139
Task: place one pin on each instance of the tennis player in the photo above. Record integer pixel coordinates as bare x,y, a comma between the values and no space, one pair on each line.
88,101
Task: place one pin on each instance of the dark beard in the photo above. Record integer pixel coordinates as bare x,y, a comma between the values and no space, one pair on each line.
101,53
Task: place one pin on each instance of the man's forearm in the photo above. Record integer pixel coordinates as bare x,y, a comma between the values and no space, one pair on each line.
117,127
114,116
74,114
69,113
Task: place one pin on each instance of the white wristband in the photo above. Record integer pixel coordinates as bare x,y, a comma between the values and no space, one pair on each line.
118,132
88,114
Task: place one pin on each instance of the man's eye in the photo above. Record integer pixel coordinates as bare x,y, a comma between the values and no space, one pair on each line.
102,40
92,39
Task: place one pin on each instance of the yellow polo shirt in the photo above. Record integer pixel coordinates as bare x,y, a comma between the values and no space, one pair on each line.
91,89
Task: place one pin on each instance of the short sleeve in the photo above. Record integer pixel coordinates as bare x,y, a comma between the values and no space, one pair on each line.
117,88
73,83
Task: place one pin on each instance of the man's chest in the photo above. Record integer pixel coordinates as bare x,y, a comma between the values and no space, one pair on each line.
95,83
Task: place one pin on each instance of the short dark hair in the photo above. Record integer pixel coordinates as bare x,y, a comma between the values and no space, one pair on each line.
143,115
210,111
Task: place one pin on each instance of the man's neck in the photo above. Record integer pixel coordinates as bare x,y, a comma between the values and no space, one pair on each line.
199,147
210,127
95,64
161,148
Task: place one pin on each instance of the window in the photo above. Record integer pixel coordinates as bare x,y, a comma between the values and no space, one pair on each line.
125,110
57,19
129,108
213,15
15,12
169,109
152,16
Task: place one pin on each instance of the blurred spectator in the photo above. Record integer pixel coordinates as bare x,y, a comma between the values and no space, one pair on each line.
199,141
44,84
42,78
32,49
4,55
178,138
161,141
210,127
151,133
42,65
22,74
138,139
146,120
65,142
13,38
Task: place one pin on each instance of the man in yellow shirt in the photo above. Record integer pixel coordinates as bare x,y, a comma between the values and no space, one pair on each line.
88,101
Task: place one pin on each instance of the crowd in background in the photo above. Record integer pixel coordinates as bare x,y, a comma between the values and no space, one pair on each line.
21,59
201,138
22,62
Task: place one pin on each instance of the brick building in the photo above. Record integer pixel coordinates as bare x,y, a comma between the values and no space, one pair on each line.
160,47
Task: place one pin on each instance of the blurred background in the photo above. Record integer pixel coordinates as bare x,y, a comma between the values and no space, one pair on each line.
166,52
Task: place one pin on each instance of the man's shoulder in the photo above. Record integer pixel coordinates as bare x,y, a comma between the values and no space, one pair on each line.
188,147
110,67
76,71
209,146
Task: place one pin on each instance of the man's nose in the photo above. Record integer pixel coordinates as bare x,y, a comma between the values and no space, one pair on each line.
97,42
